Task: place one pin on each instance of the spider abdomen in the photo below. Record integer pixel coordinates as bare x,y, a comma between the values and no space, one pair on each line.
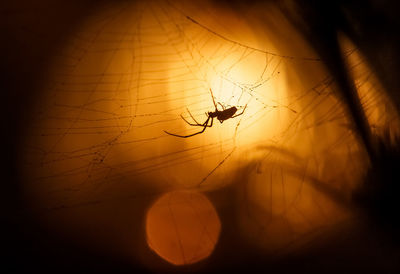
226,114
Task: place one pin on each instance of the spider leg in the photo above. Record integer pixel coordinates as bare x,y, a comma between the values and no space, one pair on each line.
192,117
187,122
205,125
240,113
212,96
197,124
212,119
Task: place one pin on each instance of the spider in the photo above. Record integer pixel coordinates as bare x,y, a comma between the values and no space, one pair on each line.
221,115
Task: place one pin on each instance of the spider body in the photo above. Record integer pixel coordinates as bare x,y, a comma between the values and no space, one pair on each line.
224,114
220,115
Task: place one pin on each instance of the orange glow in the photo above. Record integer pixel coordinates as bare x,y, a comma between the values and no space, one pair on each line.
96,140
182,227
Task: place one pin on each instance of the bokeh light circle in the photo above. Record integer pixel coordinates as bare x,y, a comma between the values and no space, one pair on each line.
182,227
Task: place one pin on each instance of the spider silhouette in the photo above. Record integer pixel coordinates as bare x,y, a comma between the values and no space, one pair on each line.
221,115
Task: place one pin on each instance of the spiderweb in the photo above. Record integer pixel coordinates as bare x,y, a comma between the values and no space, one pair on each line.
132,70
124,102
